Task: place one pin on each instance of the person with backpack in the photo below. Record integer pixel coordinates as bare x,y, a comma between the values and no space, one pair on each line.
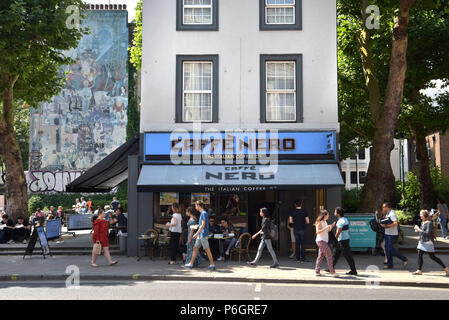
390,223
342,235
267,236
426,242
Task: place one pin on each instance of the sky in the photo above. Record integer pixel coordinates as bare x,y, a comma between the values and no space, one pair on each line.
130,5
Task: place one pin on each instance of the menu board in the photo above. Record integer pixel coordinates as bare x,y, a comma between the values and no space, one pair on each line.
204,197
53,228
79,222
168,198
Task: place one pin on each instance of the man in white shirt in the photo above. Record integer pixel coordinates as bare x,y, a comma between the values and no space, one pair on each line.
390,223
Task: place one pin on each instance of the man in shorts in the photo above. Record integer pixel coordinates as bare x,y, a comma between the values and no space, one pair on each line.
201,237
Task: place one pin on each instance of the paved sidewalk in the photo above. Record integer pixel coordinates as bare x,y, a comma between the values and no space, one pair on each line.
14,268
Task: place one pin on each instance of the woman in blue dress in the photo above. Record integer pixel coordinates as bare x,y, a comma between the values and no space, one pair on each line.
190,241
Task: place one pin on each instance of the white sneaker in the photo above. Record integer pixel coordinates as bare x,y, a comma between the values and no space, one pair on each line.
220,259
24,242
10,242
292,256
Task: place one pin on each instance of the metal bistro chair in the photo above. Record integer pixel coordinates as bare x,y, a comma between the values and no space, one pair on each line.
149,244
163,243
243,246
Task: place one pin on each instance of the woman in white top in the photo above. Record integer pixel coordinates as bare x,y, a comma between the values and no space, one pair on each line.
322,238
175,232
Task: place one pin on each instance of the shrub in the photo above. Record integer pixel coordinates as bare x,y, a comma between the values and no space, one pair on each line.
405,217
412,203
350,200
35,202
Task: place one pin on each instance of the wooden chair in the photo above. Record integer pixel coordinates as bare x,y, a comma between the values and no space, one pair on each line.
244,242
150,243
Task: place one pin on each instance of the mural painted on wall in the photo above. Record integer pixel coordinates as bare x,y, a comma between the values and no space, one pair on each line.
87,120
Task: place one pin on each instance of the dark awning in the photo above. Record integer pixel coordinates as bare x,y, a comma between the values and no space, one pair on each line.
109,172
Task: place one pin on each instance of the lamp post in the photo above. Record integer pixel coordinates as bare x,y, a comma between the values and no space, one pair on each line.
401,155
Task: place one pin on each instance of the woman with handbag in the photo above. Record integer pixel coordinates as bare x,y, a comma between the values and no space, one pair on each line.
426,242
100,239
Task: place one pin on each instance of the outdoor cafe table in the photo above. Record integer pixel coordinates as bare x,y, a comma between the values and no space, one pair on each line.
146,244
221,241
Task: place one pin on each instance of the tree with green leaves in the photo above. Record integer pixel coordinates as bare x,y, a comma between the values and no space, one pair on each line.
422,115
136,49
33,36
372,72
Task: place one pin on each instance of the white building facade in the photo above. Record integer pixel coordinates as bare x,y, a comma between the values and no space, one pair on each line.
239,66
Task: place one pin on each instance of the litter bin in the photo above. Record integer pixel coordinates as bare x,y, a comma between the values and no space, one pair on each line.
122,241
362,237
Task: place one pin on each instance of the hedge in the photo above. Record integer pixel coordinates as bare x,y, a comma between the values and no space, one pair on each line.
67,200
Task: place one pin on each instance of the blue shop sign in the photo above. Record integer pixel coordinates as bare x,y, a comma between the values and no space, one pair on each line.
240,145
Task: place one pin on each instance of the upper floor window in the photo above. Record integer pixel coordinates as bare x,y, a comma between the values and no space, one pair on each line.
281,88
197,89
280,14
197,15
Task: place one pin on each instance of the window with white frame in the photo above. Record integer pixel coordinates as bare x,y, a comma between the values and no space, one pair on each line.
280,11
281,91
197,12
197,95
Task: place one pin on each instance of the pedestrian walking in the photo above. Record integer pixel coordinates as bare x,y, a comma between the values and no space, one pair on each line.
298,219
390,223
265,239
426,242
201,237
193,220
342,236
100,237
322,239
443,216
175,232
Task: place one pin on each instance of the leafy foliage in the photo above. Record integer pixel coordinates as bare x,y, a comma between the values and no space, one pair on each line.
136,48
411,202
67,200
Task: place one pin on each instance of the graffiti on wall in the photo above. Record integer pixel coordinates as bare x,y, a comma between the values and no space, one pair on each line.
87,120
51,181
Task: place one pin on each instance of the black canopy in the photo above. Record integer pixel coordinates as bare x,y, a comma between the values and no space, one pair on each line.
109,172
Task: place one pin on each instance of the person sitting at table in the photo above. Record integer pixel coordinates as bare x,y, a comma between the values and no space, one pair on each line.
228,230
120,220
6,230
213,243
22,230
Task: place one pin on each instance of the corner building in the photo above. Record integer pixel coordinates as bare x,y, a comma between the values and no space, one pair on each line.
233,68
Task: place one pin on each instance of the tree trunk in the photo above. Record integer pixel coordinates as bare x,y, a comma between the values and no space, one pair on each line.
426,193
375,191
15,182
16,187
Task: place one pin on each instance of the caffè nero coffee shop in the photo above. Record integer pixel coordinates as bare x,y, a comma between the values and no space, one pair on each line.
224,170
